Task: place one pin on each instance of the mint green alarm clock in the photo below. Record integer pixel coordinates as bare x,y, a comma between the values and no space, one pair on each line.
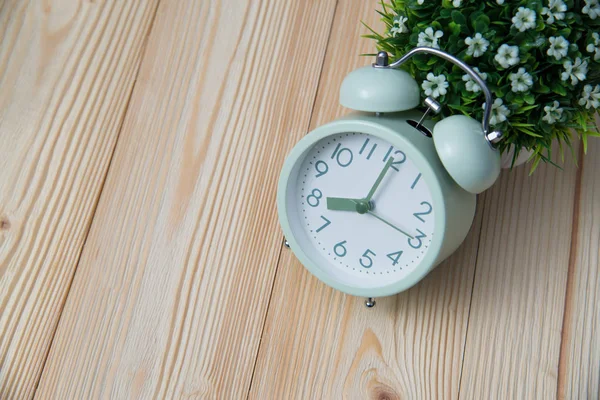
372,202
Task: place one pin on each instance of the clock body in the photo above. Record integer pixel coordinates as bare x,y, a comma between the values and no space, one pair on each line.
416,218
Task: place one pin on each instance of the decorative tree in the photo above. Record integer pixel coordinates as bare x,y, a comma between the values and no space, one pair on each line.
540,59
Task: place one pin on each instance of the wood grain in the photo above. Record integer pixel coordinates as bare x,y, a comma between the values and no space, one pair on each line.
180,289
66,73
172,289
579,368
514,332
321,344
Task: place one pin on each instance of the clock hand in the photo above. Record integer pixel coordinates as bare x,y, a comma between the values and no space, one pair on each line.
359,205
384,171
342,204
389,224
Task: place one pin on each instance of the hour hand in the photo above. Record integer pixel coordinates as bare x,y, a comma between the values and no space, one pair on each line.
342,204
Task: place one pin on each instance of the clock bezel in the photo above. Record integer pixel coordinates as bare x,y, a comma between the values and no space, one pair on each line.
398,140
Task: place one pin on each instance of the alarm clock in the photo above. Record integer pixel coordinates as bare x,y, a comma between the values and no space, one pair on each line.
373,201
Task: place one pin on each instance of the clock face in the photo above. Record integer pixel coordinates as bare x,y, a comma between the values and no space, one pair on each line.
363,243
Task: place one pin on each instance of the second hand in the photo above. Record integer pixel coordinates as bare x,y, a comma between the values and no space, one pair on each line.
389,224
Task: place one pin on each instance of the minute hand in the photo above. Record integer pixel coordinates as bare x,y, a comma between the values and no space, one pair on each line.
389,224
384,171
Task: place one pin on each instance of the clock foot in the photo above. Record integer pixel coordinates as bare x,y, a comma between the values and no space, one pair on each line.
370,302
286,243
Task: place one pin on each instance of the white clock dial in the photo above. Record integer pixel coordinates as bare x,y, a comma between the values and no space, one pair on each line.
378,244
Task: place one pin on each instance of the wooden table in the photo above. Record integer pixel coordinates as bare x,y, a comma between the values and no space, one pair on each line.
140,252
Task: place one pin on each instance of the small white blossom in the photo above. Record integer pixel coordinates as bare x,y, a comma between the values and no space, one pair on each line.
507,55
499,112
555,10
577,71
524,19
435,85
500,2
594,47
456,3
520,81
420,2
471,85
430,38
591,8
477,45
590,97
399,26
553,113
559,46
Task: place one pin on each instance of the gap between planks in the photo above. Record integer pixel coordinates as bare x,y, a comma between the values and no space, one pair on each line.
567,312
462,363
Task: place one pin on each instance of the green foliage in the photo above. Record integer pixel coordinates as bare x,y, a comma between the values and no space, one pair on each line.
528,124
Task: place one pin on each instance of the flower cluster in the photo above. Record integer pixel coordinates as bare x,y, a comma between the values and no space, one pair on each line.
540,59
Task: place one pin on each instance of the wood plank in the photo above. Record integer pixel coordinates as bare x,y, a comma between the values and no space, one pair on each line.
579,368
67,70
514,331
319,343
172,289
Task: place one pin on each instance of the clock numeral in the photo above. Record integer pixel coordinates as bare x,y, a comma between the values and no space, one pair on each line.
338,155
417,239
364,146
429,209
339,249
396,164
323,169
399,159
395,256
317,195
415,182
369,262
327,223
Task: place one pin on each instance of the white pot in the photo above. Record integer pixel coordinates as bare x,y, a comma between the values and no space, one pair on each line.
521,159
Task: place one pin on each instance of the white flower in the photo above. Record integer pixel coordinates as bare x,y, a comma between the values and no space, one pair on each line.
477,45
456,3
435,85
553,113
520,81
559,46
429,38
555,10
576,71
470,83
500,2
420,2
594,47
524,19
590,98
499,112
591,8
399,25
507,55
